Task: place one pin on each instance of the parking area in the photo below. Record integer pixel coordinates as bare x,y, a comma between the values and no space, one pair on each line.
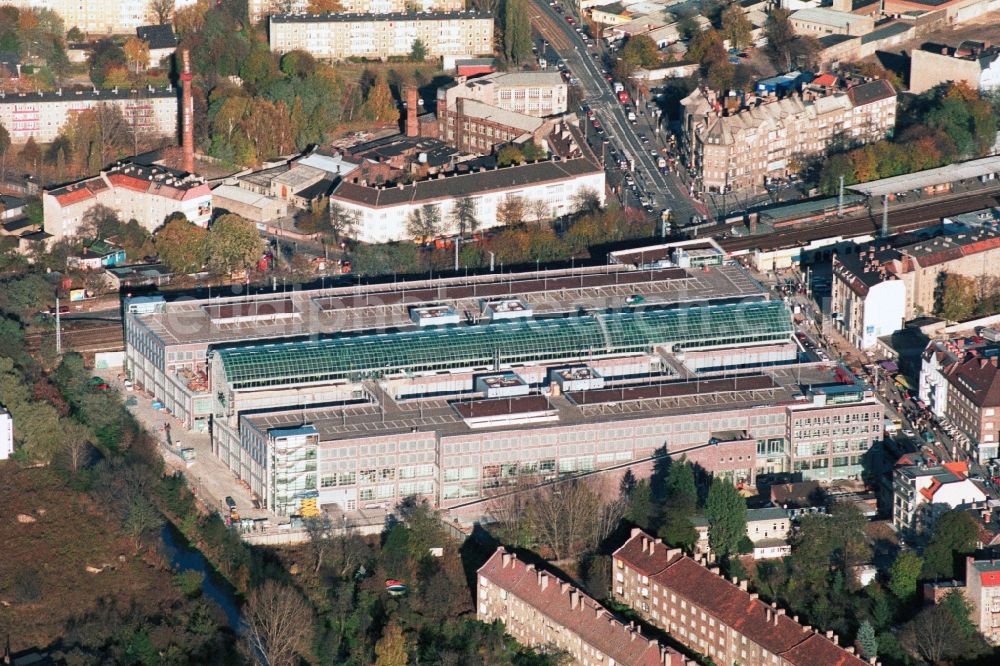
210,480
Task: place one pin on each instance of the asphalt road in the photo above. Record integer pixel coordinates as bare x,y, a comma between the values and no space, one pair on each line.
666,191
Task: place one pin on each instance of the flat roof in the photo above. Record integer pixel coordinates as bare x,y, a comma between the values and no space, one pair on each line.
381,306
507,342
672,389
930,177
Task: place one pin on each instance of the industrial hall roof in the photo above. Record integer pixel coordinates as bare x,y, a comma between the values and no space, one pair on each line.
491,345
930,177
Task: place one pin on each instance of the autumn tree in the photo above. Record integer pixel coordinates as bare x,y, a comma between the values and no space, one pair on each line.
511,211
181,245
564,516
933,636
344,222
319,529
379,104
509,510
136,53
391,649
278,625
780,35
104,56
4,148
100,222
234,244
463,216
509,154
161,11
325,7
736,27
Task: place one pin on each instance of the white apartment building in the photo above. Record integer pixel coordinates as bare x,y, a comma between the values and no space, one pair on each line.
6,434
41,116
531,93
95,17
868,300
923,489
382,210
380,36
147,194
259,9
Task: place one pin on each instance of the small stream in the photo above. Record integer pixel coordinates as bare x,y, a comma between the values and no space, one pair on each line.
183,557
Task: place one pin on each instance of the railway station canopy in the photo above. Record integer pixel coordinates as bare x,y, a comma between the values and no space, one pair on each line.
987,166
456,348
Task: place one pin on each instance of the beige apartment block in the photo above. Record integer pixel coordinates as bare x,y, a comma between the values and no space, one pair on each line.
40,116
531,93
380,36
258,9
771,137
94,16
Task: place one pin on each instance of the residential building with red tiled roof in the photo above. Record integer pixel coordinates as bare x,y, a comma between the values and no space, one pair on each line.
539,609
713,616
147,194
982,589
973,403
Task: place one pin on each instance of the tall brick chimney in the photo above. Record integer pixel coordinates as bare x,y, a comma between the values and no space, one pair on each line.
187,114
412,126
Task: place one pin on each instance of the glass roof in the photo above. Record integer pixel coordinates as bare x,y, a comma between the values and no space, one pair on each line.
503,343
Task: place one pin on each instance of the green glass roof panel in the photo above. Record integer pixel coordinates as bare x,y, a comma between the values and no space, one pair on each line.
511,342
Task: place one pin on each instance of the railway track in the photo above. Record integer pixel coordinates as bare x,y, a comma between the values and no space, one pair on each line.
84,339
905,219
549,30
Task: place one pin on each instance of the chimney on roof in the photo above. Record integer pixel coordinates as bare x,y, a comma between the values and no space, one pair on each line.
743,585
543,580
564,587
767,614
574,599
829,634
506,558
754,596
412,125
187,113
850,648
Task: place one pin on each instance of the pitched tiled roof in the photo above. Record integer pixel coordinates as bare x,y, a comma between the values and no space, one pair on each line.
733,606
977,378
570,608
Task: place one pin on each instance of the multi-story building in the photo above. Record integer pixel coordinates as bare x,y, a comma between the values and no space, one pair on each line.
479,128
552,186
943,354
742,149
147,194
822,21
95,17
380,36
973,404
6,434
149,112
923,489
161,40
258,9
531,93
539,609
720,619
768,529
982,589
868,298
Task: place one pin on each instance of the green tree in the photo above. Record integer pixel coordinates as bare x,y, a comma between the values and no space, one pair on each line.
533,152
736,27
105,56
957,604
379,104
641,509
726,511
904,574
955,534
956,297
424,223
418,52
4,148
386,259
508,155
867,640
234,244
516,32
181,245
463,216
680,488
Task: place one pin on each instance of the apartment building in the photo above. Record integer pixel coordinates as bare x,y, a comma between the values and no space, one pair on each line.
95,17
982,589
475,127
942,354
531,93
973,404
42,115
923,489
380,36
259,9
551,186
868,299
741,150
718,618
539,609
147,194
